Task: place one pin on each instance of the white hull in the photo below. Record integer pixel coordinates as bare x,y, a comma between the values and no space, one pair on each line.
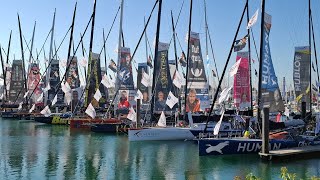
158,134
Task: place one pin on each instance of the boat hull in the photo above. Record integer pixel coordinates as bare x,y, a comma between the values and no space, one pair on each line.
158,134
42,119
109,128
224,146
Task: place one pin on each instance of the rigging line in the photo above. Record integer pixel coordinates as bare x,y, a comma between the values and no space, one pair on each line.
255,46
56,51
28,48
46,41
213,56
175,26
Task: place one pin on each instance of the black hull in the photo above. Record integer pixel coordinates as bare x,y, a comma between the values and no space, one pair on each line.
9,115
42,119
108,128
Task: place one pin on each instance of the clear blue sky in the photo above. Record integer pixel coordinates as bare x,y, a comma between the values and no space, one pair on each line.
289,25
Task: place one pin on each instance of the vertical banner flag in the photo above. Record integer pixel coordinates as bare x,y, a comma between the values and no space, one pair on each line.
271,96
198,87
241,83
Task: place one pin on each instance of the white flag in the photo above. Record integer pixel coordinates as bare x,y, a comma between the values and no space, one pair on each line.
224,95
40,98
83,62
90,111
6,65
132,115
178,79
171,100
20,106
145,79
105,81
68,98
217,127
46,111
65,87
253,19
25,95
162,120
234,68
63,63
97,95
55,99
47,88
138,95
32,108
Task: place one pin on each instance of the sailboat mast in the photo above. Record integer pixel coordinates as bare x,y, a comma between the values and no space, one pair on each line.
90,50
310,84
145,39
119,43
22,56
155,56
188,56
249,51
260,104
50,55
105,53
32,40
174,41
315,56
4,75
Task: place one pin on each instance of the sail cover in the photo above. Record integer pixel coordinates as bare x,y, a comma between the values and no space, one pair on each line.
17,88
241,83
163,80
72,74
54,80
271,96
301,74
197,80
124,75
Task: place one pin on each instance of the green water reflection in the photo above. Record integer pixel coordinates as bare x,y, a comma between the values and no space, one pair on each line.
29,150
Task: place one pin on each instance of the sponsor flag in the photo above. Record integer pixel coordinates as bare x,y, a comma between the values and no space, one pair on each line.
46,111
105,81
145,79
253,19
171,100
40,98
149,62
25,95
90,111
83,63
32,108
65,87
182,59
162,120
97,95
240,44
178,79
234,69
55,99
20,106
112,66
217,126
224,94
47,88
214,73
132,115
139,95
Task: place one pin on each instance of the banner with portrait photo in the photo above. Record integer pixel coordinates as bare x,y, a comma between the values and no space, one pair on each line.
197,80
34,82
143,68
54,81
163,80
241,83
124,75
271,96
73,74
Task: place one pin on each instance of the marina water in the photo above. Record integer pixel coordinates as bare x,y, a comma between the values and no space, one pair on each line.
29,150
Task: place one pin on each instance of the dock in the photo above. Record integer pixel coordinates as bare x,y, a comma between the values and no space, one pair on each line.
305,151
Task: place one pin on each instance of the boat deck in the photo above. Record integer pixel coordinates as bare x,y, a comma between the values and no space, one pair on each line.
291,152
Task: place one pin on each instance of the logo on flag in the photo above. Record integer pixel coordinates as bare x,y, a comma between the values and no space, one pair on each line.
171,100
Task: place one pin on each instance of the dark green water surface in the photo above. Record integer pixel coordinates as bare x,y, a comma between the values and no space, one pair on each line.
29,150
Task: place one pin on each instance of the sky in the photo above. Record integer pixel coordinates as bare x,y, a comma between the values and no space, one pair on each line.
289,27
